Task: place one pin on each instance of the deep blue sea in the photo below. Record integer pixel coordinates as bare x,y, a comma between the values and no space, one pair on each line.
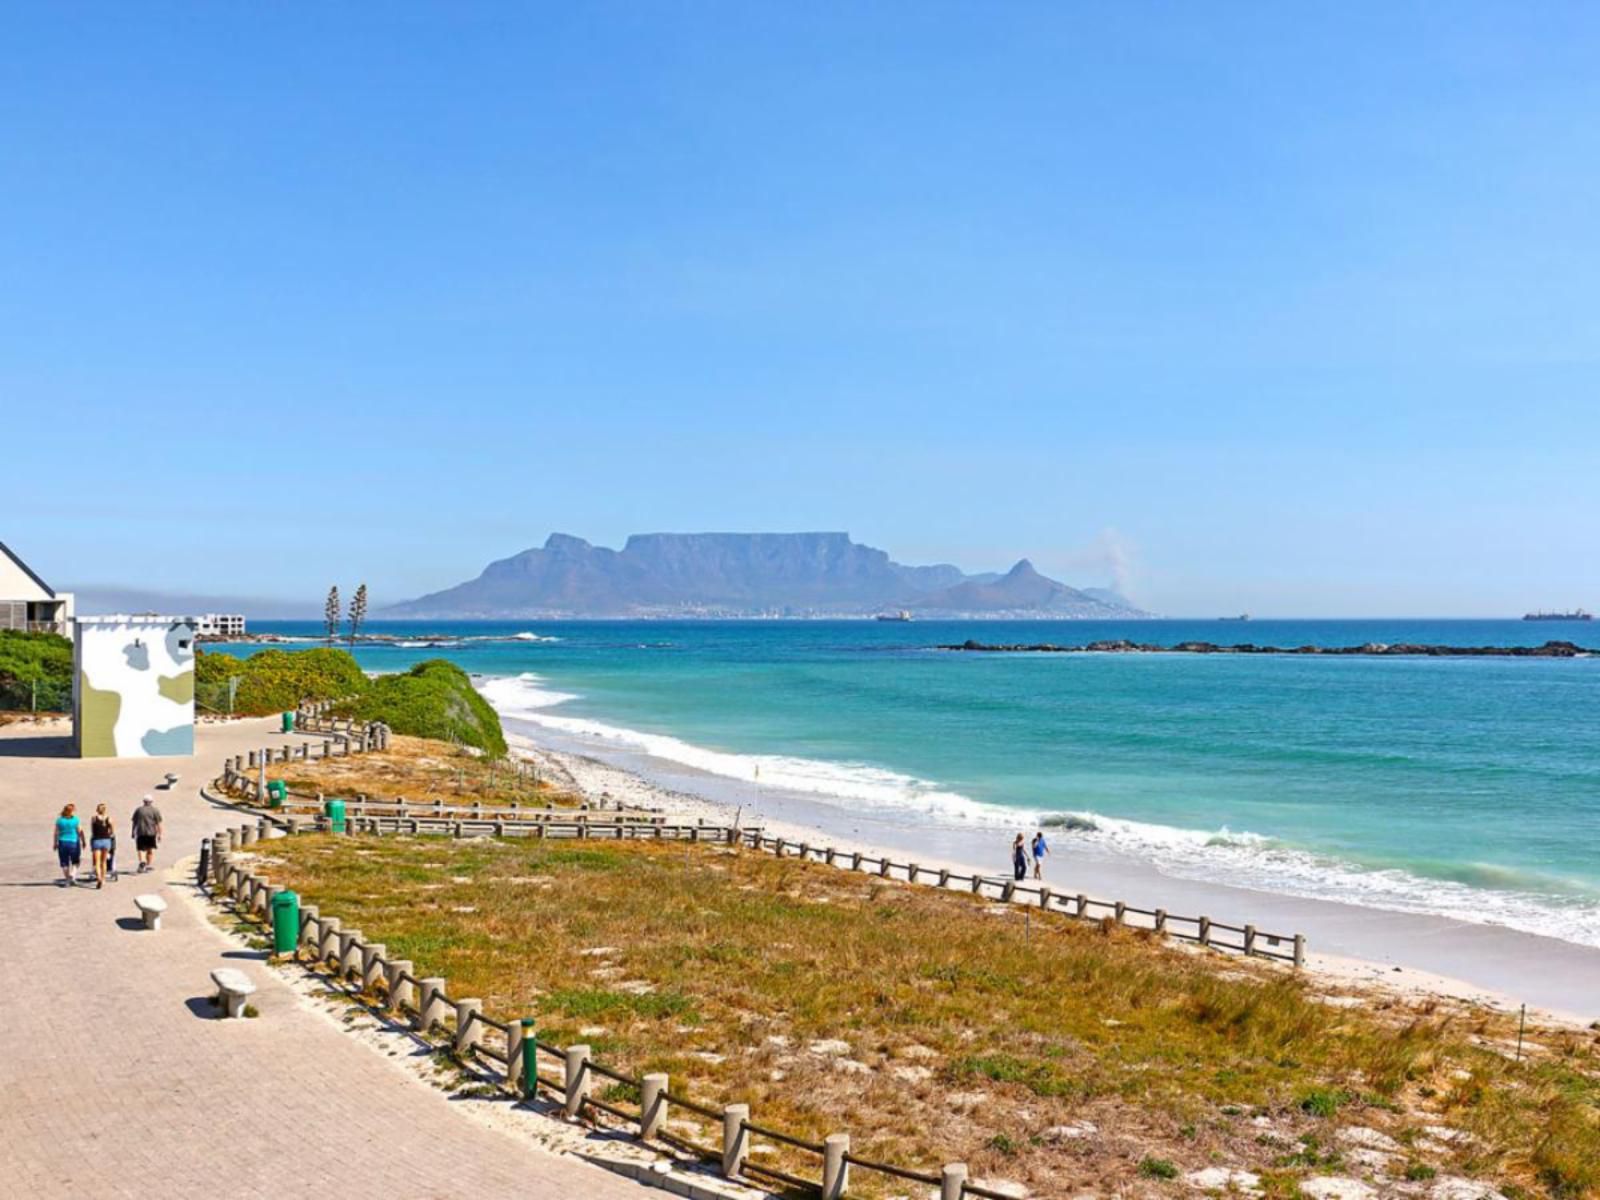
1463,787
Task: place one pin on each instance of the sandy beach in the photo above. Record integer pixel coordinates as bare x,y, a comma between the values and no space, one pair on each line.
1351,947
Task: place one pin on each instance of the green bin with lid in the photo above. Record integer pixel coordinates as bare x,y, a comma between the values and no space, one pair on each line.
334,811
288,722
285,922
277,793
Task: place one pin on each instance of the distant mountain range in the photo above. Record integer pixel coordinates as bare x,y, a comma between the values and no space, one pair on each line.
744,575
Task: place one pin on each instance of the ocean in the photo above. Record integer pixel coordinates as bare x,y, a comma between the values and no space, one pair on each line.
1466,788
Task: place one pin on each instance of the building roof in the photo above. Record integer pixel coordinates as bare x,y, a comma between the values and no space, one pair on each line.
27,570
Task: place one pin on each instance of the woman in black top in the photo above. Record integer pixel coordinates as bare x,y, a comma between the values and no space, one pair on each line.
1019,859
101,838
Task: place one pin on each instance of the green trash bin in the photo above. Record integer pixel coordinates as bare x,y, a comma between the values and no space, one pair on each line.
285,922
334,811
288,722
277,793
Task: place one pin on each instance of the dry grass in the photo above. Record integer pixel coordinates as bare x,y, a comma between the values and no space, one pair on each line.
960,1029
423,769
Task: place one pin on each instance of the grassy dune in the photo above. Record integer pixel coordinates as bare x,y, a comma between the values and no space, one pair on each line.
936,1026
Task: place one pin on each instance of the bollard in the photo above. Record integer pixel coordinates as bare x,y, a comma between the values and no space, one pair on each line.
1122,912
247,835
469,1030
735,1139
835,1171
204,869
1083,905
350,953
577,1078
1008,891
1205,931
328,943
977,884
293,825
308,921
883,867
430,1005
1161,920
522,1058
400,989
952,1181
944,877
652,1104
1249,940
372,972
1299,950
855,861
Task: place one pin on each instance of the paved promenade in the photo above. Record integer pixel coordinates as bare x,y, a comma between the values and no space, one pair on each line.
116,1081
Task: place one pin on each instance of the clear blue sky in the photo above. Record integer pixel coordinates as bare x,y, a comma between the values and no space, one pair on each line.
1297,310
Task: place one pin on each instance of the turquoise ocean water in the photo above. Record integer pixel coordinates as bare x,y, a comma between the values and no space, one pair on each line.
1467,787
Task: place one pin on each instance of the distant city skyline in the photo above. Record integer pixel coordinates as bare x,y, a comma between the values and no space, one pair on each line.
1243,309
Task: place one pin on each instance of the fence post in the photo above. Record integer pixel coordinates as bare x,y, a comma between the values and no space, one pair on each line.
652,1104
430,1007
328,943
952,1181
468,1029
1205,931
1044,897
944,877
399,987
1299,950
735,1138
351,948
577,1080
1122,913
1249,940
835,1171
1161,920
1083,905
372,965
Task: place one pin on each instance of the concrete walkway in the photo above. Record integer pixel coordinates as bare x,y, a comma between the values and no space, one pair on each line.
115,1080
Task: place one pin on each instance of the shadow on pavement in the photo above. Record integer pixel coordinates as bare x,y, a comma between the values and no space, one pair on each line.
55,745
133,923
202,1007
253,955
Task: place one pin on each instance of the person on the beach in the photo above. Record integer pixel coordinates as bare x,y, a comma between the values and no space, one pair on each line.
101,837
1019,859
69,844
146,833
1040,849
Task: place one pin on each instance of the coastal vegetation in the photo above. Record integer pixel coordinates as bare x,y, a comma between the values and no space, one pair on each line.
35,671
433,699
934,1026
425,769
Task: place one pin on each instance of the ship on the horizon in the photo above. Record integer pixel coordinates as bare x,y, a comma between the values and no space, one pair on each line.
900,615
1576,614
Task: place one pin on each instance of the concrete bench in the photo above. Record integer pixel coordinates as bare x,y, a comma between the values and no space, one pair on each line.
151,908
232,989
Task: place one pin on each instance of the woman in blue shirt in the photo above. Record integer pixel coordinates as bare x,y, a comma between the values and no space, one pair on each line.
69,845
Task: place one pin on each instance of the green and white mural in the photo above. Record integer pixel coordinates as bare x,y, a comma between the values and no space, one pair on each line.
134,686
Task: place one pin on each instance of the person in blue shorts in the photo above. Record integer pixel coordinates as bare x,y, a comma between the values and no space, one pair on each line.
1040,849
69,844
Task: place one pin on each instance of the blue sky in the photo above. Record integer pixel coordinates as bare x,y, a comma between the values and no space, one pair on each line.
1287,311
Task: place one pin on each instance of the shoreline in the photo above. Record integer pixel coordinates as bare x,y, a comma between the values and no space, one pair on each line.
1413,956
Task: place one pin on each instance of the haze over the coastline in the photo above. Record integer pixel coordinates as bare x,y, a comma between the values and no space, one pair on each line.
1278,311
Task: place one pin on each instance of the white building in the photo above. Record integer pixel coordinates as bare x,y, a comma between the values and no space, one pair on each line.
220,625
28,602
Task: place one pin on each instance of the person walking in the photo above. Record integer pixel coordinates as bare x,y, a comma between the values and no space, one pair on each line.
1019,859
146,833
1040,849
102,835
69,844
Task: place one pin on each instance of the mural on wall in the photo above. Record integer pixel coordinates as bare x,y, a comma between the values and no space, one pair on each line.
135,687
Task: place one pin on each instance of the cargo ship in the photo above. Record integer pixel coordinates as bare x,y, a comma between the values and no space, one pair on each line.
1576,614
902,615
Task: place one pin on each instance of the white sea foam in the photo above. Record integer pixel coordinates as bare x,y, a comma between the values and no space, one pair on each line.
527,636
1225,856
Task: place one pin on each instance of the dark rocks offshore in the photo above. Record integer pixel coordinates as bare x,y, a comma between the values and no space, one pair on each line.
1548,650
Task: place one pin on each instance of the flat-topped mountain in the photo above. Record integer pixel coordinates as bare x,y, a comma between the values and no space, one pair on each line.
744,574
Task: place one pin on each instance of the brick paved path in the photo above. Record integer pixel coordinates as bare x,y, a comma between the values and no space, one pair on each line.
114,1079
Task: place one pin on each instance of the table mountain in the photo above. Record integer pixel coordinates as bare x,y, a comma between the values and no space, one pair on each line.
741,574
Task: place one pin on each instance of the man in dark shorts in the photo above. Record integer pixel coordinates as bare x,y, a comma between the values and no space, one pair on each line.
147,833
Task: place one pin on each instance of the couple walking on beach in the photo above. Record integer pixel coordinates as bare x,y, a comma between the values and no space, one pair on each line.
103,841
1019,856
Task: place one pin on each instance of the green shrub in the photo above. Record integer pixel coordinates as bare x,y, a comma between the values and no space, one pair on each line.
434,699
275,680
1157,1168
35,658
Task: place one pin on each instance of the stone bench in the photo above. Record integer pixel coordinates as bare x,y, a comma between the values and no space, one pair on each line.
150,908
233,987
